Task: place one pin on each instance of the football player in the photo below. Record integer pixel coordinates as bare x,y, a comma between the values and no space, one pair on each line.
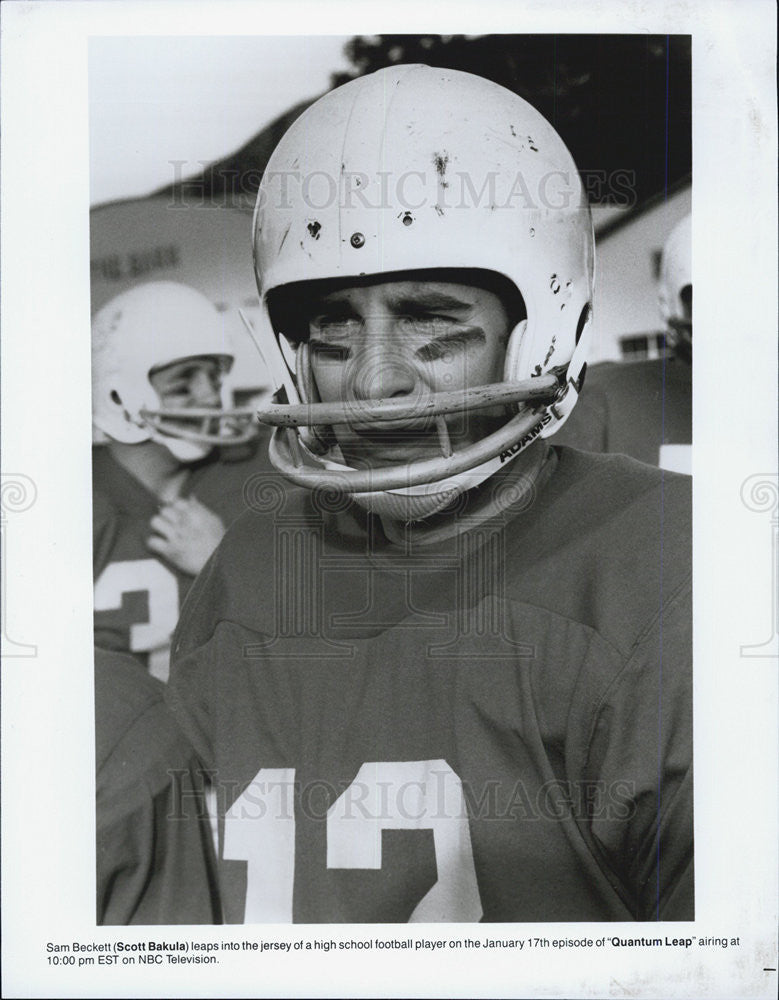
644,408
675,289
152,832
170,475
445,676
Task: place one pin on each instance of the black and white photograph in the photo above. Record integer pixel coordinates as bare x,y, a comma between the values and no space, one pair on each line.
432,583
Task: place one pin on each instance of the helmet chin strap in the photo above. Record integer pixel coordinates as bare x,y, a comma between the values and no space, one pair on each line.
416,503
516,490
182,450
413,504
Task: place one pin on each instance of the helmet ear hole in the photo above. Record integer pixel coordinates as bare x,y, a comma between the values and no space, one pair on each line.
583,325
116,398
584,317
685,296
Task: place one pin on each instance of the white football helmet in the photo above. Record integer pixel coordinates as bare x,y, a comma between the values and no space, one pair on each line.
415,168
675,287
143,329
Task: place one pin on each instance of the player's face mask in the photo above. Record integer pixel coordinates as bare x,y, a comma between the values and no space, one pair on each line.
426,176
189,415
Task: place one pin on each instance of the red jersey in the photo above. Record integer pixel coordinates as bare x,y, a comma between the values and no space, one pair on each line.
495,727
155,861
138,594
639,408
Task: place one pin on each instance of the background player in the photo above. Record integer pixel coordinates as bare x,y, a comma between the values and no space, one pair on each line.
171,474
437,681
644,408
675,291
154,851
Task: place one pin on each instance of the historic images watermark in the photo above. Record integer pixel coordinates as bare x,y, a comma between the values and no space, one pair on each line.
400,795
17,494
760,493
408,190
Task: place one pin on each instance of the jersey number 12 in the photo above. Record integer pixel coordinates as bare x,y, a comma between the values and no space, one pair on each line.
404,795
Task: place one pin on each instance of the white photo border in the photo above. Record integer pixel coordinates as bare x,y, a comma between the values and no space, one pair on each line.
47,734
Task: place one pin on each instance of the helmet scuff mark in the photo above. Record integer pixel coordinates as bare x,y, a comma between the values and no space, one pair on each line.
440,161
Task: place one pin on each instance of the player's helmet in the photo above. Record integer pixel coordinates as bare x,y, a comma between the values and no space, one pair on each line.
675,288
416,168
143,329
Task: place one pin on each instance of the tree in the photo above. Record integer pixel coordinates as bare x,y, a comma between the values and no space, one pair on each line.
622,103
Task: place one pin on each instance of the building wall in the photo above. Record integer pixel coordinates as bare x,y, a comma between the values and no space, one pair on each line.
626,261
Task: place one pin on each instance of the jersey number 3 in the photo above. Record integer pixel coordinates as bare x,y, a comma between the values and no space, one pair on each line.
153,635
405,795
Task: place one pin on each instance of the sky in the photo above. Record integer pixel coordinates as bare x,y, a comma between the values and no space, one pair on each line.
157,101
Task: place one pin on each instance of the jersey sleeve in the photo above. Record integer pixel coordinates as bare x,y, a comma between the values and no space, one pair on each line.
154,854
229,588
112,626
188,692
106,526
638,408
637,755
223,484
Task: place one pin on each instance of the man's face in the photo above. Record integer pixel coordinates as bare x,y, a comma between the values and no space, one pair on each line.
193,382
190,384
405,338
